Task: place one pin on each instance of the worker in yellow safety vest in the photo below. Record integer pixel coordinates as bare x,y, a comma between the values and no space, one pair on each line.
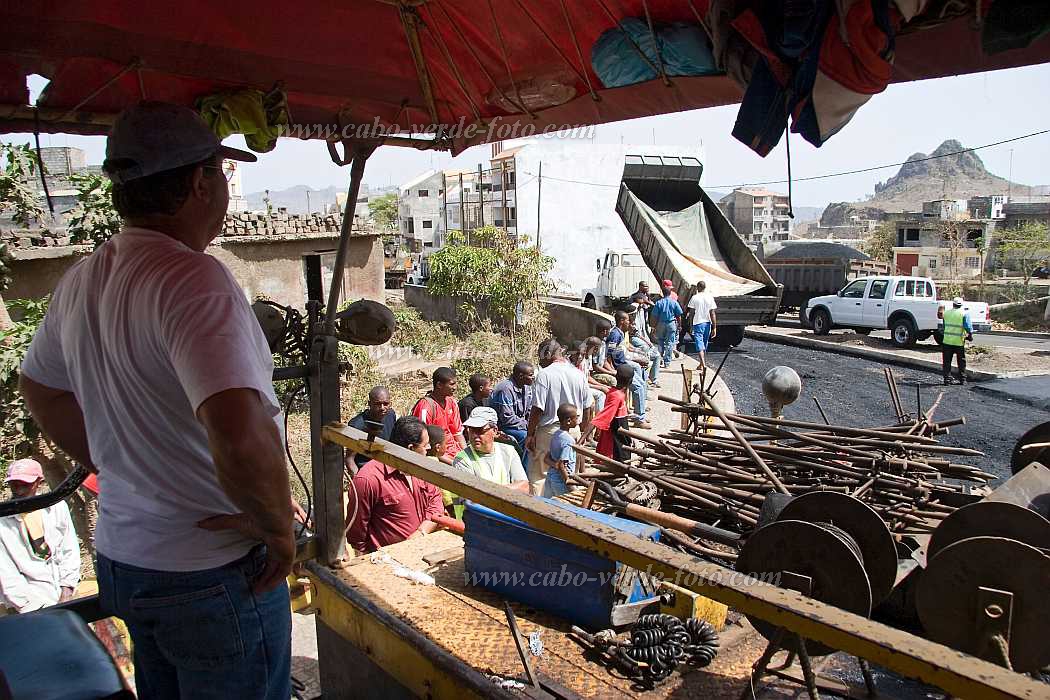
957,329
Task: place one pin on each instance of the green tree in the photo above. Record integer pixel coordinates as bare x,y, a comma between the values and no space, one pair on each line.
879,244
1028,244
19,200
383,211
93,218
507,276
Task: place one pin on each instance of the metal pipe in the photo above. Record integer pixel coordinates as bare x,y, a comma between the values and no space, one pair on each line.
747,446
357,172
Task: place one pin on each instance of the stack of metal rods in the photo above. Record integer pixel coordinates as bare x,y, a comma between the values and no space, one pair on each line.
721,469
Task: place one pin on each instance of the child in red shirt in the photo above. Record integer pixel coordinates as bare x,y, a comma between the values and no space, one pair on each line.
613,418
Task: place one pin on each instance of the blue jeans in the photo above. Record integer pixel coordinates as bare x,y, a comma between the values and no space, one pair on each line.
203,634
666,336
653,355
519,437
638,388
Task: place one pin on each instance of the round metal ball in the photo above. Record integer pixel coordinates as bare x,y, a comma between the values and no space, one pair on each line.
781,386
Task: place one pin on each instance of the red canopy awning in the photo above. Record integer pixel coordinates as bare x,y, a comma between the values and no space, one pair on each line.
350,62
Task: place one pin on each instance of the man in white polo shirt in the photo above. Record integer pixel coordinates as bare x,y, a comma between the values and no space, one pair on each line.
558,382
151,369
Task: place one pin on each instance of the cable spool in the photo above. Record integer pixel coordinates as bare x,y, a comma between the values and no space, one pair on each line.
949,597
828,555
865,528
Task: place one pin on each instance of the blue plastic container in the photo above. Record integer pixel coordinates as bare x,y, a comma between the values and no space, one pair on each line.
506,556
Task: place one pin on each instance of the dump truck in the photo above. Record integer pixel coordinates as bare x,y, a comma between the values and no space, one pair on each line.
683,236
808,269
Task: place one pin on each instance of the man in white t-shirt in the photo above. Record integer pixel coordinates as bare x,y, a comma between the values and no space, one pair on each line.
702,309
558,382
151,370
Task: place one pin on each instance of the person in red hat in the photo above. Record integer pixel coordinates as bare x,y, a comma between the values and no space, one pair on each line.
676,332
39,552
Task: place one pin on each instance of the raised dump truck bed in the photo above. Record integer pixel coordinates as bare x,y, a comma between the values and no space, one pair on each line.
684,237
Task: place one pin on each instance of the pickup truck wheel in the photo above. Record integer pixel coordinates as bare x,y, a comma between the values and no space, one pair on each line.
589,302
821,322
862,331
903,333
939,337
802,320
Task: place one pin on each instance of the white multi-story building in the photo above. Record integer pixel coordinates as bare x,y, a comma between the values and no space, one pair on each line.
571,209
758,214
233,174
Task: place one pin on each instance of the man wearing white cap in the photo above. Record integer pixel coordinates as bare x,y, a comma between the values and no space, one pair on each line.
39,552
957,330
151,369
486,458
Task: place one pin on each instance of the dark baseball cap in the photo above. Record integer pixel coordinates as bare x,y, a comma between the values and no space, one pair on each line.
152,137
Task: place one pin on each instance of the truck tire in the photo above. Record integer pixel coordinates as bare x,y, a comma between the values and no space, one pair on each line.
939,337
728,336
802,320
903,332
862,331
589,303
821,322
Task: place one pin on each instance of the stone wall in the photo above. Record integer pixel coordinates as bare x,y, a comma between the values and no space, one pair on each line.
262,265
569,321
278,223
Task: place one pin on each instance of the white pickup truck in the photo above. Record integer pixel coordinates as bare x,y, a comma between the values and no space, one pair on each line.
907,306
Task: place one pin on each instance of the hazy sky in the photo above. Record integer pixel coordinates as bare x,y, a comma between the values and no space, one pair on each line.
905,119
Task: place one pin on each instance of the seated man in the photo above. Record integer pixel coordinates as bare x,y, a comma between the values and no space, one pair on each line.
512,401
379,411
388,506
488,459
592,348
602,370
644,349
616,344
480,393
440,409
39,552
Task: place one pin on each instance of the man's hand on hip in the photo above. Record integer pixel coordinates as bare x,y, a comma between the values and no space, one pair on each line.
280,548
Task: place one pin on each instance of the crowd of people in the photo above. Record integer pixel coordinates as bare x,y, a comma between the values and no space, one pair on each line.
520,431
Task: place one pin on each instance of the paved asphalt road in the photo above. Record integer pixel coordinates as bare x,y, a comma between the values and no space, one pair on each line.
853,391
1004,341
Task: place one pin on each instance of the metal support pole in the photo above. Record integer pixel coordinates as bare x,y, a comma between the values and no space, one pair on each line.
327,457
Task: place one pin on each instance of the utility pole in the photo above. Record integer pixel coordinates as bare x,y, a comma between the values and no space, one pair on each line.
308,209
444,207
481,199
539,192
1010,177
462,209
503,190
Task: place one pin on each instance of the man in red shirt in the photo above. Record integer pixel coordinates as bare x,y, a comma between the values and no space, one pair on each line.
440,409
387,506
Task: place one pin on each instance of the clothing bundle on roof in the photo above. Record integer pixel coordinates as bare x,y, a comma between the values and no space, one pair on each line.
818,61
632,52
258,116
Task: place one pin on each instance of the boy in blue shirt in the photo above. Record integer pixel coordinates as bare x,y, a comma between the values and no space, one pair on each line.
561,459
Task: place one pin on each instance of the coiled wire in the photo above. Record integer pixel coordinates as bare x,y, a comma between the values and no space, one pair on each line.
662,642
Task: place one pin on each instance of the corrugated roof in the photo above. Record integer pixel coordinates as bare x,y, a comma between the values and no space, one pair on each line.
818,249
